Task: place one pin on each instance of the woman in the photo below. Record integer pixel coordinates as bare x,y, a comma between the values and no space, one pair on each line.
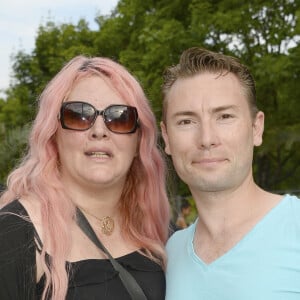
92,150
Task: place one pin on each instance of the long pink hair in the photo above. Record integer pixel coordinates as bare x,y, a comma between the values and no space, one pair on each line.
146,209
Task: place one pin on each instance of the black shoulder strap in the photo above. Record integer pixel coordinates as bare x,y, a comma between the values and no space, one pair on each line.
127,279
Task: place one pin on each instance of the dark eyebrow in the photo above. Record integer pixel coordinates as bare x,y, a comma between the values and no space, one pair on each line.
214,110
224,107
184,113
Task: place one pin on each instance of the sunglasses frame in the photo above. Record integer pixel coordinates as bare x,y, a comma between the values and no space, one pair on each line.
96,114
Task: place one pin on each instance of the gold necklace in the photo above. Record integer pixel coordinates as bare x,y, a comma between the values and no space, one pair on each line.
107,223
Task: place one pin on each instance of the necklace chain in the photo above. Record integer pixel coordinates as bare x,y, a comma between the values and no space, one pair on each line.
106,223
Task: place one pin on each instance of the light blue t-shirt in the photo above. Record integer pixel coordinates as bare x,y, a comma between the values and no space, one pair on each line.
264,265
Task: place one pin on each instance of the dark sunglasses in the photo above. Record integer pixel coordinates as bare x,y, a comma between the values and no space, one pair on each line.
77,115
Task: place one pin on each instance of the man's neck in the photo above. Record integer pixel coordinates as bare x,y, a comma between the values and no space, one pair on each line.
225,218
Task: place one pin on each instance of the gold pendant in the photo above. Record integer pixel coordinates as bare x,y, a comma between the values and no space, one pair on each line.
107,225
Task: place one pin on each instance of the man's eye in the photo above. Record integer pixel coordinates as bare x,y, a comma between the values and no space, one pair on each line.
226,116
184,122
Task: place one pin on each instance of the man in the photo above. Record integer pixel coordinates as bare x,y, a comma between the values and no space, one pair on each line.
245,243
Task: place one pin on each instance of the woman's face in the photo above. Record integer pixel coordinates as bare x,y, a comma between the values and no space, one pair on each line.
97,157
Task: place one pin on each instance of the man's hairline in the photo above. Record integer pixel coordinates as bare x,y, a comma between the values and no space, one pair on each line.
200,72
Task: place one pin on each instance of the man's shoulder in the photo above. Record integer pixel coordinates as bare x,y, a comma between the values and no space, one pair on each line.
292,197
289,210
180,237
292,200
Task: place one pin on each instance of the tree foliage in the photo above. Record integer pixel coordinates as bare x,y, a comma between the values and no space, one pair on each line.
147,36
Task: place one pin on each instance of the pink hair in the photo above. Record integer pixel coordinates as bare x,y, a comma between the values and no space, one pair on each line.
145,207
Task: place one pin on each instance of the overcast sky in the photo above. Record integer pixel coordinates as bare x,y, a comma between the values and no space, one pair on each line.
19,22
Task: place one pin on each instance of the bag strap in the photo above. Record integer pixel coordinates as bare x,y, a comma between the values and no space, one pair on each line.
127,279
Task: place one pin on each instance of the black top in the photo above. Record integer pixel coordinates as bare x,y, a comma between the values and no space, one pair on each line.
89,279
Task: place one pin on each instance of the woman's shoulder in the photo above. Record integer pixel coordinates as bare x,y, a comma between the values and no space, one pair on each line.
13,217
17,252
13,212
13,207
16,230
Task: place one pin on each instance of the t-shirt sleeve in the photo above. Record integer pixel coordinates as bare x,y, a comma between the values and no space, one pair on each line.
17,257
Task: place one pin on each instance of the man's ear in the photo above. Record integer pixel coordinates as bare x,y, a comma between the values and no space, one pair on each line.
165,137
258,128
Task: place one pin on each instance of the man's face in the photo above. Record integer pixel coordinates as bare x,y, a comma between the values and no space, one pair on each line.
209,132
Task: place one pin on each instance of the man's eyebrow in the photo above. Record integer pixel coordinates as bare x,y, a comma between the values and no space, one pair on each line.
184,113
224,107
213,110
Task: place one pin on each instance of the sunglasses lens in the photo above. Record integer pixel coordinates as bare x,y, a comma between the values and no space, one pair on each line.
82,115
121,118
78,115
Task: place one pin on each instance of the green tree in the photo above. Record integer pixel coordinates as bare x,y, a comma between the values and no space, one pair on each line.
12,149
54,46
147,36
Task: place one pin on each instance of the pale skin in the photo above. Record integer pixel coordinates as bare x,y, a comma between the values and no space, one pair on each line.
210,134
94,165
